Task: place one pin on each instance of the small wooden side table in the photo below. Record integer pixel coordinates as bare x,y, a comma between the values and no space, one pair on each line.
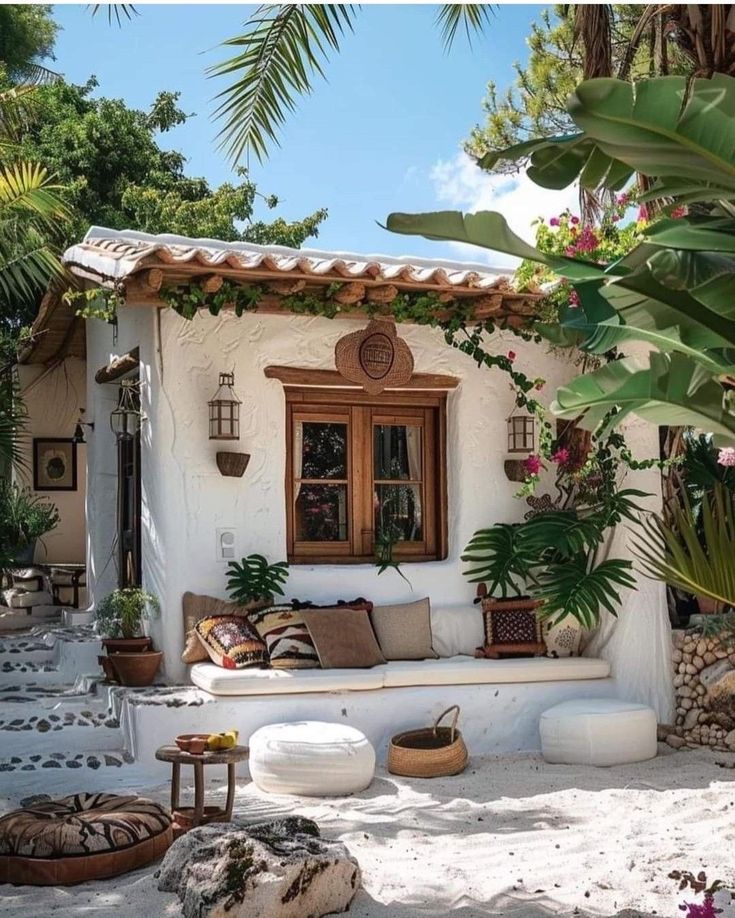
186,817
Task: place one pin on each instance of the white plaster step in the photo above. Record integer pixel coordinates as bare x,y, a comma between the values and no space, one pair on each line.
59,773
21,672
20,619
33,652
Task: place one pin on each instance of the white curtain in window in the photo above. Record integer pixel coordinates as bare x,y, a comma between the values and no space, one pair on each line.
298,456
413,451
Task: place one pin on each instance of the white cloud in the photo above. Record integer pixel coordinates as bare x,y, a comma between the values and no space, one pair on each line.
460,184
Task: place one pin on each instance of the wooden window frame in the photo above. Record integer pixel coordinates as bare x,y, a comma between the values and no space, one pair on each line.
361,411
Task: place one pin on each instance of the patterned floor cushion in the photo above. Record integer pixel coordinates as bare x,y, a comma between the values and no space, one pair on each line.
82,837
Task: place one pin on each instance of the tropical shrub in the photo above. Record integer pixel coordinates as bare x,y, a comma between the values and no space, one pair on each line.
554,557
24,518
121,614
254,578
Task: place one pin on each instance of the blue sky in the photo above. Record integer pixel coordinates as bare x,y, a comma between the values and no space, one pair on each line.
384,133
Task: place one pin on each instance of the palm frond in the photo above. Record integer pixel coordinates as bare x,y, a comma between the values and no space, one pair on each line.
280,52
115,11
701,562
468,17
570,588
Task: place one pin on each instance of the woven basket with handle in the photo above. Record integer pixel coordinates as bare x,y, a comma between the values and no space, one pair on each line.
429,753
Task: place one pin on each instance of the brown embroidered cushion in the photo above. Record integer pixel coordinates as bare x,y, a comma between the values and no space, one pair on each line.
286,636
81,837
343,637
231,641
404,631
196,607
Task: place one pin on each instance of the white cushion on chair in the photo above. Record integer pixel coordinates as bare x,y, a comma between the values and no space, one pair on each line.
311,759
598,731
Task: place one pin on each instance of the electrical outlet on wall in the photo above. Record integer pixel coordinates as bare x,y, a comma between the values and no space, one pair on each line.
225,546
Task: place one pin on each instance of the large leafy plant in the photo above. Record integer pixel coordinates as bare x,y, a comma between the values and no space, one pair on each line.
24,518
121,613
554,557
673,291
253,578
692,557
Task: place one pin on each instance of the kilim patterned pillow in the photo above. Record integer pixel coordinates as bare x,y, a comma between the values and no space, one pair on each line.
512,627
231,641
286,636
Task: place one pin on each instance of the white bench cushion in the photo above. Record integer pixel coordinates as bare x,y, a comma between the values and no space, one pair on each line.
219,681
598,731
459,670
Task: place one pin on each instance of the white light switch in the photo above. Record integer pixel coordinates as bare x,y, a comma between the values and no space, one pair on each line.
225,544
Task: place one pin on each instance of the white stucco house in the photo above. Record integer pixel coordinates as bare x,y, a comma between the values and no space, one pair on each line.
160,511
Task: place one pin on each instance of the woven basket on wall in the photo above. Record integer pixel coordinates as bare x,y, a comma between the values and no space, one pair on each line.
232,465
433,752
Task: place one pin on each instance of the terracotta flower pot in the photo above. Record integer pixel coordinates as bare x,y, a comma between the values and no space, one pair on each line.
708,606
127,645
107,667
136,669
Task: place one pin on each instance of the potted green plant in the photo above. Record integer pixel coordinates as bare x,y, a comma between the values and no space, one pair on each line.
253,582
130,656
551,561
24,520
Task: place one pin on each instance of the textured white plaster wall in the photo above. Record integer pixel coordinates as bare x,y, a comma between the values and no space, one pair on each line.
53,398
185,499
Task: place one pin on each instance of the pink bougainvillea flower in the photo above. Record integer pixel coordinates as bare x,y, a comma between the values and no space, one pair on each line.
573,299
622,199
678,212
554,221
511,356
570,251
726,456
574,220
705,910
643,212
532,464
561,456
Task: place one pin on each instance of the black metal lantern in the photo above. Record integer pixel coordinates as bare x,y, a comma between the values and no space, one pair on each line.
79,429
126,419
521,433
224,410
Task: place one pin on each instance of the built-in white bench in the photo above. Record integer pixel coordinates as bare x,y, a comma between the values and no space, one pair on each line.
447,671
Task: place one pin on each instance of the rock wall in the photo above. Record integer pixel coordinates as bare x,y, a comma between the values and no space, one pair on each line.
704,685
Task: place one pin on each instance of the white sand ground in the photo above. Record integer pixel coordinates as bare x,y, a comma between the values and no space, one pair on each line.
511,836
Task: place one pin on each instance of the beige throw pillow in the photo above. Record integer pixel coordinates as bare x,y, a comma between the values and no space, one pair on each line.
404,631
343,637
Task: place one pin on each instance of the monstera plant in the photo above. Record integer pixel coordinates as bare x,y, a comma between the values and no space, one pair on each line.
674,290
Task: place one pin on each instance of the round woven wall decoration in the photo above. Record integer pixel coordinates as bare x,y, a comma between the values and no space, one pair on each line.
374,357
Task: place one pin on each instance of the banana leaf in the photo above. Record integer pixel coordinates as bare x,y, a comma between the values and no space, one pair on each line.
672,389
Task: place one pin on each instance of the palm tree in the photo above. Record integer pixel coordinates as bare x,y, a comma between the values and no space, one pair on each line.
280,52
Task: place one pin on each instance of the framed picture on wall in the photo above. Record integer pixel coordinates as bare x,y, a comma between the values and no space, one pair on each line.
54,464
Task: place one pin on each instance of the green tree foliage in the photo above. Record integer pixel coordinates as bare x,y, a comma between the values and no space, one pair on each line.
27,36
116,174
536,104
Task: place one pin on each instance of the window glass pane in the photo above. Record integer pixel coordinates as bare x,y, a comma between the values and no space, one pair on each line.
398,512
321,513
320,450
396,452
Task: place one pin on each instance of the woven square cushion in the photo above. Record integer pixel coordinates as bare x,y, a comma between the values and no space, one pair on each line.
82,837
231,641
343,637
404,631
286,637
196,607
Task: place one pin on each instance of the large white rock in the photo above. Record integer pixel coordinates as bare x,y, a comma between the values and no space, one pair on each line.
281,869
311,758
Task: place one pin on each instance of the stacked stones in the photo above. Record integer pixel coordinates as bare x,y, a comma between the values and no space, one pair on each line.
704,687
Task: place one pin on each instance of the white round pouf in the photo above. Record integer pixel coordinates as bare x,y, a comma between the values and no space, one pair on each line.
598,731
311,759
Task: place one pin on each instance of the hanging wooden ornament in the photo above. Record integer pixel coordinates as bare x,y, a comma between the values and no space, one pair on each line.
374,357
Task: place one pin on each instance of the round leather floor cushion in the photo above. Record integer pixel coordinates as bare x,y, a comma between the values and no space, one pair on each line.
82,837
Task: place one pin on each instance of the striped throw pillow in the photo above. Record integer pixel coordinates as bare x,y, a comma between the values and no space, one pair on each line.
286,636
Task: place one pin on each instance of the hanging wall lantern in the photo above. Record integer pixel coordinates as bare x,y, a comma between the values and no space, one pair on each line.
224,410
126,419
521,433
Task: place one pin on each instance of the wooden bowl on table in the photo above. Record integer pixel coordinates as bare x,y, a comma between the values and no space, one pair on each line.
193,743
